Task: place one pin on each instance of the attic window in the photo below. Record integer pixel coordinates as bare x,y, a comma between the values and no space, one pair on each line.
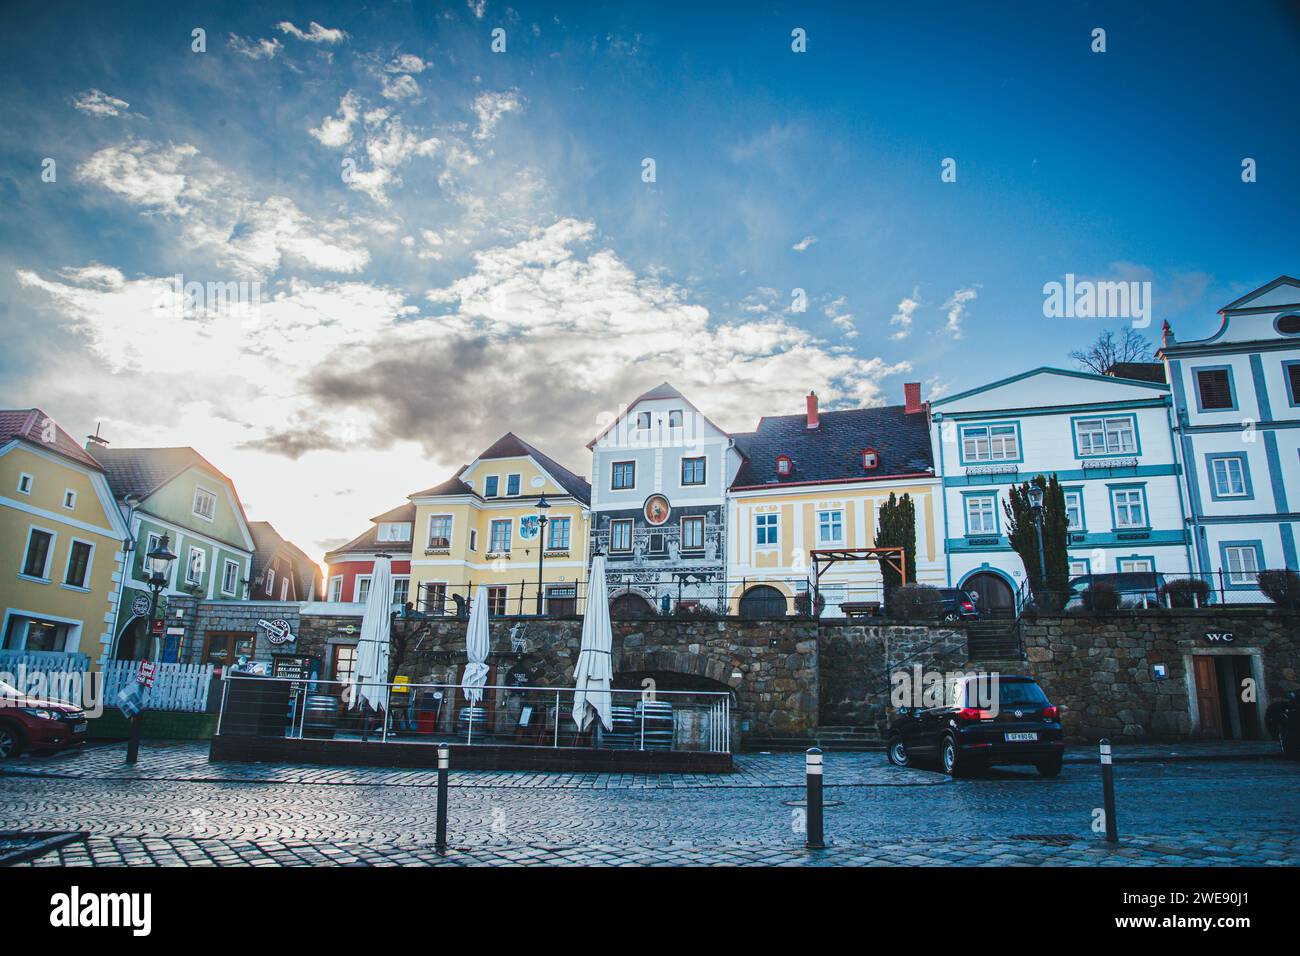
643,420
784,466
870,459
1288,325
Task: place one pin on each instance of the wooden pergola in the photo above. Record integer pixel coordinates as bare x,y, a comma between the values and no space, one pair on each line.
826,558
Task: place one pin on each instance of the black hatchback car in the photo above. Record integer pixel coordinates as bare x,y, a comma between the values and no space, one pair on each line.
1007,720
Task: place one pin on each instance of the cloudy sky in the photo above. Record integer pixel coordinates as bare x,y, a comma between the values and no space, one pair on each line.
448,242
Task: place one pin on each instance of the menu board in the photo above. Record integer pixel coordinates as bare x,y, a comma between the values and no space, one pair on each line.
296,668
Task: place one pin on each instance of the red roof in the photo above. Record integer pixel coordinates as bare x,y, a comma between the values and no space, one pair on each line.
34,426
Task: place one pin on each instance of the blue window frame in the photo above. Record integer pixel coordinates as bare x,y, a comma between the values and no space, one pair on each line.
989,443
512,485
1229,474
1080,566
1099,436
1241,562
1214,388
558,534
624,475
1291,372
766,531
1074,513
1135,563
1128,508
491,485
981,510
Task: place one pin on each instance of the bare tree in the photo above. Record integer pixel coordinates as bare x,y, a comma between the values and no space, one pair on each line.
1129,346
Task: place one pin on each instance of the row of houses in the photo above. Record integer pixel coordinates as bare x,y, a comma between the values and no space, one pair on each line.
1182,466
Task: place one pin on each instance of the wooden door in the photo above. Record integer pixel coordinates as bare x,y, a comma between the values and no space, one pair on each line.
1207,695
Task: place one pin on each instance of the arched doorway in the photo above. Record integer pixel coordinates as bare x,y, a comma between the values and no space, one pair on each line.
992,595
135,642
631,606
664,710
763,602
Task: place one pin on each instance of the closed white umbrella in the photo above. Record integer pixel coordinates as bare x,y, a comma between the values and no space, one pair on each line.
477,644
595,670
370,676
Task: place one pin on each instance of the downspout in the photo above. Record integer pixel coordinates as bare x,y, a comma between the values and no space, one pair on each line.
943,494
1176,436
128,546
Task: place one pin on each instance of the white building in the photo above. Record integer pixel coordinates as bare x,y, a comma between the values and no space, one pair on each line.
1237,398
1109,442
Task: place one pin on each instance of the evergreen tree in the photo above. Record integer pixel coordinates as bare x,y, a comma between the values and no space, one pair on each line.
896,528
1049,592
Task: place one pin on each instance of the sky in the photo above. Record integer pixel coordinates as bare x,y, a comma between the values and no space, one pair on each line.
439,241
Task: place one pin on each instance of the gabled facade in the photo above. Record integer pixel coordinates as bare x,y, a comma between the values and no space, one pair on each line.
350,567
281,571
817,481
1107,440
62,539
178,492
1237,399
481,527
660,474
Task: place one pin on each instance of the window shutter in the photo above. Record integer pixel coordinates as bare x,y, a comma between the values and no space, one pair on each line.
1215,392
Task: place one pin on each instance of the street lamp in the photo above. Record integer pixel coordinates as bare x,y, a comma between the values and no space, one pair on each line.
157,563
1036,506
542,505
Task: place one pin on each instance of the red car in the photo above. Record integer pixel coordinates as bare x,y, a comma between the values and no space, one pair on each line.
28,723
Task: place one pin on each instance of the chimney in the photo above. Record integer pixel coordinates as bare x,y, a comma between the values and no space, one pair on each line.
912,397
94,441
813,419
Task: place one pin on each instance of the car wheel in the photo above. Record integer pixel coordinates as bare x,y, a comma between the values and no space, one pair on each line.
1289,740
952,617
950,758
897,752
11,744
1051,767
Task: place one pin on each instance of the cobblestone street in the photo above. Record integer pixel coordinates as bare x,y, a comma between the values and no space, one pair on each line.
175,808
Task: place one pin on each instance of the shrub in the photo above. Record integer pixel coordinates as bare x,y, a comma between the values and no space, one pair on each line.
915,602
1281,587
1185,592
696,612
804,598
1101,597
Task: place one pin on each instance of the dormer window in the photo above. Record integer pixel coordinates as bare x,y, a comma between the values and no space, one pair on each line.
870,459
675,418
642,420
394,531
784,466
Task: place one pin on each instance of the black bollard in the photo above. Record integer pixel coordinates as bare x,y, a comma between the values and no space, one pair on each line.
1108,792
133,741
813,838
444,761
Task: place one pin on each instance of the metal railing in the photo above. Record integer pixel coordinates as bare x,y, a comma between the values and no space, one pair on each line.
1131,591
505,715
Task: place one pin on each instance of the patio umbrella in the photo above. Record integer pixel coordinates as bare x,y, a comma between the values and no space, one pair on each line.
370,676
477,644
595,667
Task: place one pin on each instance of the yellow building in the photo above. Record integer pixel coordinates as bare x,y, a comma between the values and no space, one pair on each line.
817,481
61,536
481,526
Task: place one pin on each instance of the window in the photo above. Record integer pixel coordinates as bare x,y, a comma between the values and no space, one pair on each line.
152,540
362,589
1292,372
230,577
1135,565
284,588
36,561
496,601
1129,505
1241,562
870,459
1288,324
490,486
69,499
401,590
624,475
435,597
1106,436
1229,477
990,443
336,588
558,534
439,531
512,485
500,536
269,583
473,539
345,661
1074,510
394,531
692,471
784,466
643,420
981,514
77,573
197,562
620,534
1214,389
25,484
765,529
692,534
205,504
830,527
675,418
657,543
1078,567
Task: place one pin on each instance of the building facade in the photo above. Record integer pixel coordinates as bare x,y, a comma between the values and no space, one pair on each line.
817,481
660,474
1237,403
1109,442
281,570
62,534
350,567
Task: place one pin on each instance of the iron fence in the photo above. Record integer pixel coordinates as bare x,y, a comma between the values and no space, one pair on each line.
1149,590
504,715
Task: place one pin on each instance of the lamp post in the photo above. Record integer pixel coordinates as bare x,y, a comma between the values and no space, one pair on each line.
159,563
542,505
1036,506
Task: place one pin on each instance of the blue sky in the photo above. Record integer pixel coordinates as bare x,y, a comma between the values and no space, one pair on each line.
497,261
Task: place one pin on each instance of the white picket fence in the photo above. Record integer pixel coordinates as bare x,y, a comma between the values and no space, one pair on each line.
176,687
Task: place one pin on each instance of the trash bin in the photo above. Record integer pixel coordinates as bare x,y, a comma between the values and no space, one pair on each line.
427,709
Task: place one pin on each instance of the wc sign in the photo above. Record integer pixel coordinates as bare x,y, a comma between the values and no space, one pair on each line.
1219,637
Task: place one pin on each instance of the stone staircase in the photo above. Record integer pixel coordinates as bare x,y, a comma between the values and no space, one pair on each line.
848,738
990,641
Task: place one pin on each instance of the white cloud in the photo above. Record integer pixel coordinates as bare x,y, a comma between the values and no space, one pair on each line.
902,316
265,234
98,103
400,87
406,63
336,131
255,49
477,7
315,33
490,107
956,307
144,173
841,319
804,243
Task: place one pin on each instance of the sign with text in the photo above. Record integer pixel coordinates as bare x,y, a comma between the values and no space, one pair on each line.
277,630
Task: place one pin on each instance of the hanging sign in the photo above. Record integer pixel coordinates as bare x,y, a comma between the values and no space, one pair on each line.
146,673
277,631
140,606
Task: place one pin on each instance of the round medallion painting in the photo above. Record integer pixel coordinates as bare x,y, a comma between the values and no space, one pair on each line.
656,509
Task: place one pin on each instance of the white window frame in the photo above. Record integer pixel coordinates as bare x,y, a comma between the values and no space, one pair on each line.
226,565
70,505
1127,508
488,478
189,564
1081,565
394,531
1077,495
268,581
983,514
1242,576
519,485
1126,565
492,536
1240,462
767,525
49,554
194,505
1104,428
335,593
397,578
451,529
838,521
29,479
473,539
357,597
90,565
649,420
1005,430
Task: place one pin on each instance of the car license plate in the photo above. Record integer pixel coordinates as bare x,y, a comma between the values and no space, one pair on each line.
79,728
1016,737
